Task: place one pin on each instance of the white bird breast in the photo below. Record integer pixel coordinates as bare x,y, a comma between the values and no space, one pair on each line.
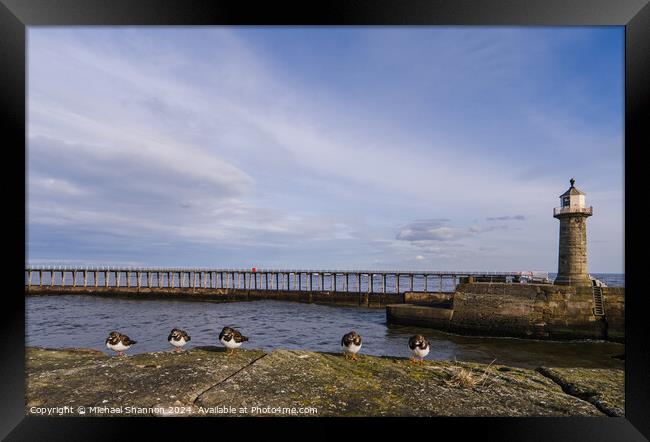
231,343
421,353
117,347
178,343
353,348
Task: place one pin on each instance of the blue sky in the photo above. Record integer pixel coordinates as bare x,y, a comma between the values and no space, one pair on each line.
429,148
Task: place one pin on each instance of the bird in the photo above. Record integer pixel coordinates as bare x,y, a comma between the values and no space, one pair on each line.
178,338
118,342
232,339
419,348
351,343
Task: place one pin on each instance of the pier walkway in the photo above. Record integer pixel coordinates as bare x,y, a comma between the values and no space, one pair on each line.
348,281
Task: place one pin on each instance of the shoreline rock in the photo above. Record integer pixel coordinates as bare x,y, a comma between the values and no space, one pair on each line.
204,381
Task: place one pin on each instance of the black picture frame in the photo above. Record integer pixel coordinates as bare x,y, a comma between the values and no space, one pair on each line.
16,15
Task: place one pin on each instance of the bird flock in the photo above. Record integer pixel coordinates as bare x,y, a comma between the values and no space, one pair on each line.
232,339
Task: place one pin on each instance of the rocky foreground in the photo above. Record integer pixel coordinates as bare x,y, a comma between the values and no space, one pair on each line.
204,381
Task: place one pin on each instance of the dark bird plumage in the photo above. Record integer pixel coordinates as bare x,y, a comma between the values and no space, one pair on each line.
115,337
231,339
229,333
351,338
119,342
351,343
177,334
419,347
418,341
178,338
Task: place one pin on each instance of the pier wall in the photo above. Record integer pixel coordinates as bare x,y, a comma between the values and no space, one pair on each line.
422,298
373,300
540,311
614,302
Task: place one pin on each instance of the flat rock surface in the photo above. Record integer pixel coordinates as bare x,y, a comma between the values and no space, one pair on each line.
205,381
605,389
161,379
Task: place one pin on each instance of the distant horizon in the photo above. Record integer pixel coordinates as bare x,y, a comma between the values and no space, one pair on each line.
384,148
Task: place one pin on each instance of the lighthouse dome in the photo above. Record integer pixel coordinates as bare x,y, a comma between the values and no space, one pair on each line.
572,197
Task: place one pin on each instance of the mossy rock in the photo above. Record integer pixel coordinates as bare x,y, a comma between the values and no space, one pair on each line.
204,379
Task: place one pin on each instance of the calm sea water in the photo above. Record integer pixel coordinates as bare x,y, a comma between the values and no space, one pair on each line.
85,321
611,279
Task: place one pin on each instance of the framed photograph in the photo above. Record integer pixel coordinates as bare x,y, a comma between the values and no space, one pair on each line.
347,214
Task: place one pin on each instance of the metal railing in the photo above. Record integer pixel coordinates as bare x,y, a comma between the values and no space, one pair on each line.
458,273
259,279
573,209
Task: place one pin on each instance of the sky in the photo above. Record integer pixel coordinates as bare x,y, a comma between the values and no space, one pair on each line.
415,148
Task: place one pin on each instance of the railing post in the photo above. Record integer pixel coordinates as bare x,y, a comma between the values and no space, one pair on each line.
426,283
383,283
40,278
397,282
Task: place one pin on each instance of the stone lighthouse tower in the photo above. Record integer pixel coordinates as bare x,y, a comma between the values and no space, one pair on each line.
572,262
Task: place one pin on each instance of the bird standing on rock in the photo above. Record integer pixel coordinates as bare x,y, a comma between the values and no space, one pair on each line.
231,339
178,338
419,348
118,342
351,343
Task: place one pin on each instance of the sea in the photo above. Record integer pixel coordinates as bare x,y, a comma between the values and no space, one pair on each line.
84,321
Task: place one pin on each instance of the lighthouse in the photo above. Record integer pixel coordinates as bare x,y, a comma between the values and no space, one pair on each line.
572,262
